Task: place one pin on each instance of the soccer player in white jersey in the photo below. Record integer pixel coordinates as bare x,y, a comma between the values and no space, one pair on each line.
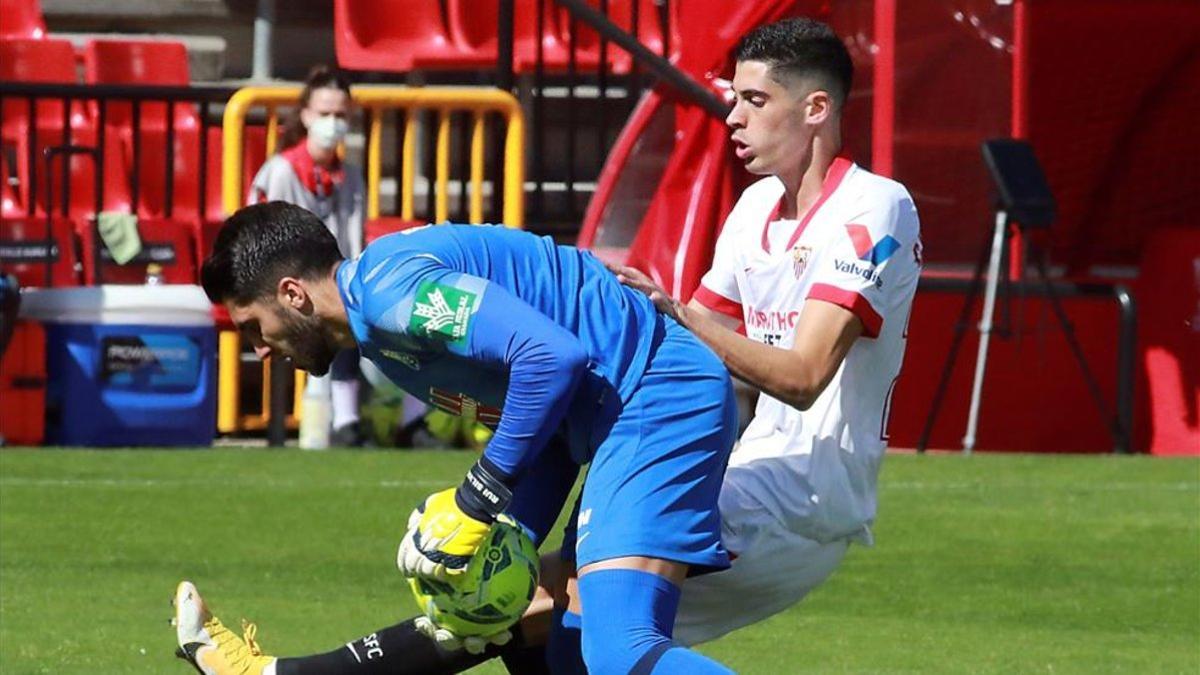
807,300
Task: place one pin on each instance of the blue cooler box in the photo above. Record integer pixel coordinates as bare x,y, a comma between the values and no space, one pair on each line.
127,365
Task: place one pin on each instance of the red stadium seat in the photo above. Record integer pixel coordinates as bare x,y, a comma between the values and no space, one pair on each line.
81,199
396,37
254,155
40,61
82,177
27,60
204,229
51,61
167,242
620,12
37,257
22,19
386,36
138,62
213,208
155,63
254,141
204,235
473,25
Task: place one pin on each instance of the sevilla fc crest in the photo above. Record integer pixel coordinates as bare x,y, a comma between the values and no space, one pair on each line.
800,256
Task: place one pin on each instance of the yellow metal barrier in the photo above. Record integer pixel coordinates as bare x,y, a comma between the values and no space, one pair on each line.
444,101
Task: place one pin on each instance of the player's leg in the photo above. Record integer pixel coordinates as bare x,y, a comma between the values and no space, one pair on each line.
346,428
208,645
648,512
400,649
564,648
403,649
774,568
397,649
629,615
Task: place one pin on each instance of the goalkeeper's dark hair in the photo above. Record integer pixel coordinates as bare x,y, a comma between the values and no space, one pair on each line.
801,48
261,244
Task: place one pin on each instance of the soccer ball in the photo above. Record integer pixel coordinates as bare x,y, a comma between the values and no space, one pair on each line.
492,594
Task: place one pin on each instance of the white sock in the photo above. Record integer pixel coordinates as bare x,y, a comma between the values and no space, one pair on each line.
317,386
345,403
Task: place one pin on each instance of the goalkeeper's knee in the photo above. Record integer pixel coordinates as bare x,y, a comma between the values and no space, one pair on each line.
628,616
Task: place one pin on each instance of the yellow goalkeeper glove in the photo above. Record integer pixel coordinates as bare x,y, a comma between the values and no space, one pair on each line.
446,530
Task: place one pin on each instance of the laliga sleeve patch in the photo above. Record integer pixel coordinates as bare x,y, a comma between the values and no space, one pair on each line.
442,312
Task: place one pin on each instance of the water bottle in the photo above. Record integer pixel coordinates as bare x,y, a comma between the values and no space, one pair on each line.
316,414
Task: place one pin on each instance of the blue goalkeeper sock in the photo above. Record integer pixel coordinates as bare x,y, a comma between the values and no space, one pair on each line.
628,618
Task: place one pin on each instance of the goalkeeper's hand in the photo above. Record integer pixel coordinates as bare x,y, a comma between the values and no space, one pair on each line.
441,538
474,644
449,526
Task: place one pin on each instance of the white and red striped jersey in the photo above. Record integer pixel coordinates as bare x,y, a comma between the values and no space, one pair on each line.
858,247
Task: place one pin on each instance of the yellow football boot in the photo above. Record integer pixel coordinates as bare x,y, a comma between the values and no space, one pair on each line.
208,645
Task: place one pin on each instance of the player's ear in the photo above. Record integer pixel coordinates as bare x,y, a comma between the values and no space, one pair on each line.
291,293
818,107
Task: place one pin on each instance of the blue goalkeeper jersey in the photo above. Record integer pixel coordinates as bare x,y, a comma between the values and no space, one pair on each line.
497,324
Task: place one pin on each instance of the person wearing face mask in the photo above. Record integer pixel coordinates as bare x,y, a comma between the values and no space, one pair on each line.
309,172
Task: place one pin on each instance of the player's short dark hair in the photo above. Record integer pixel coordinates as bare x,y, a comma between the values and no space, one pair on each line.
802,48
261,244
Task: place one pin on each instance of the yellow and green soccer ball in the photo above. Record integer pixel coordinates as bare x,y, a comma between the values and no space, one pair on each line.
492,594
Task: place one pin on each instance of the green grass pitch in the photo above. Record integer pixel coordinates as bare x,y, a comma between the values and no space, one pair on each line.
1010,564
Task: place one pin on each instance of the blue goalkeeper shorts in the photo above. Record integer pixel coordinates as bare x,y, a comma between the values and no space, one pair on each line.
652,484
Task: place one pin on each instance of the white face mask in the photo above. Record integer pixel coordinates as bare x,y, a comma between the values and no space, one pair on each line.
327,131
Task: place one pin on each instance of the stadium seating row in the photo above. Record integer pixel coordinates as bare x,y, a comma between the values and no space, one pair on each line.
61,252
56,251
22,19
461,34
28,130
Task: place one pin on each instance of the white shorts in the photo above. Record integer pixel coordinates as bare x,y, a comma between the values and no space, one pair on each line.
774,569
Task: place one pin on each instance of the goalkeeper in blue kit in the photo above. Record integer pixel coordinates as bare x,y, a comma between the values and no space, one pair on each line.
570,368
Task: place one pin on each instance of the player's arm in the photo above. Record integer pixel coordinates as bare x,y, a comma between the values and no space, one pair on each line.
797,376
719,285
841,305
707,314
545,363
825,332
470,317
473,318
